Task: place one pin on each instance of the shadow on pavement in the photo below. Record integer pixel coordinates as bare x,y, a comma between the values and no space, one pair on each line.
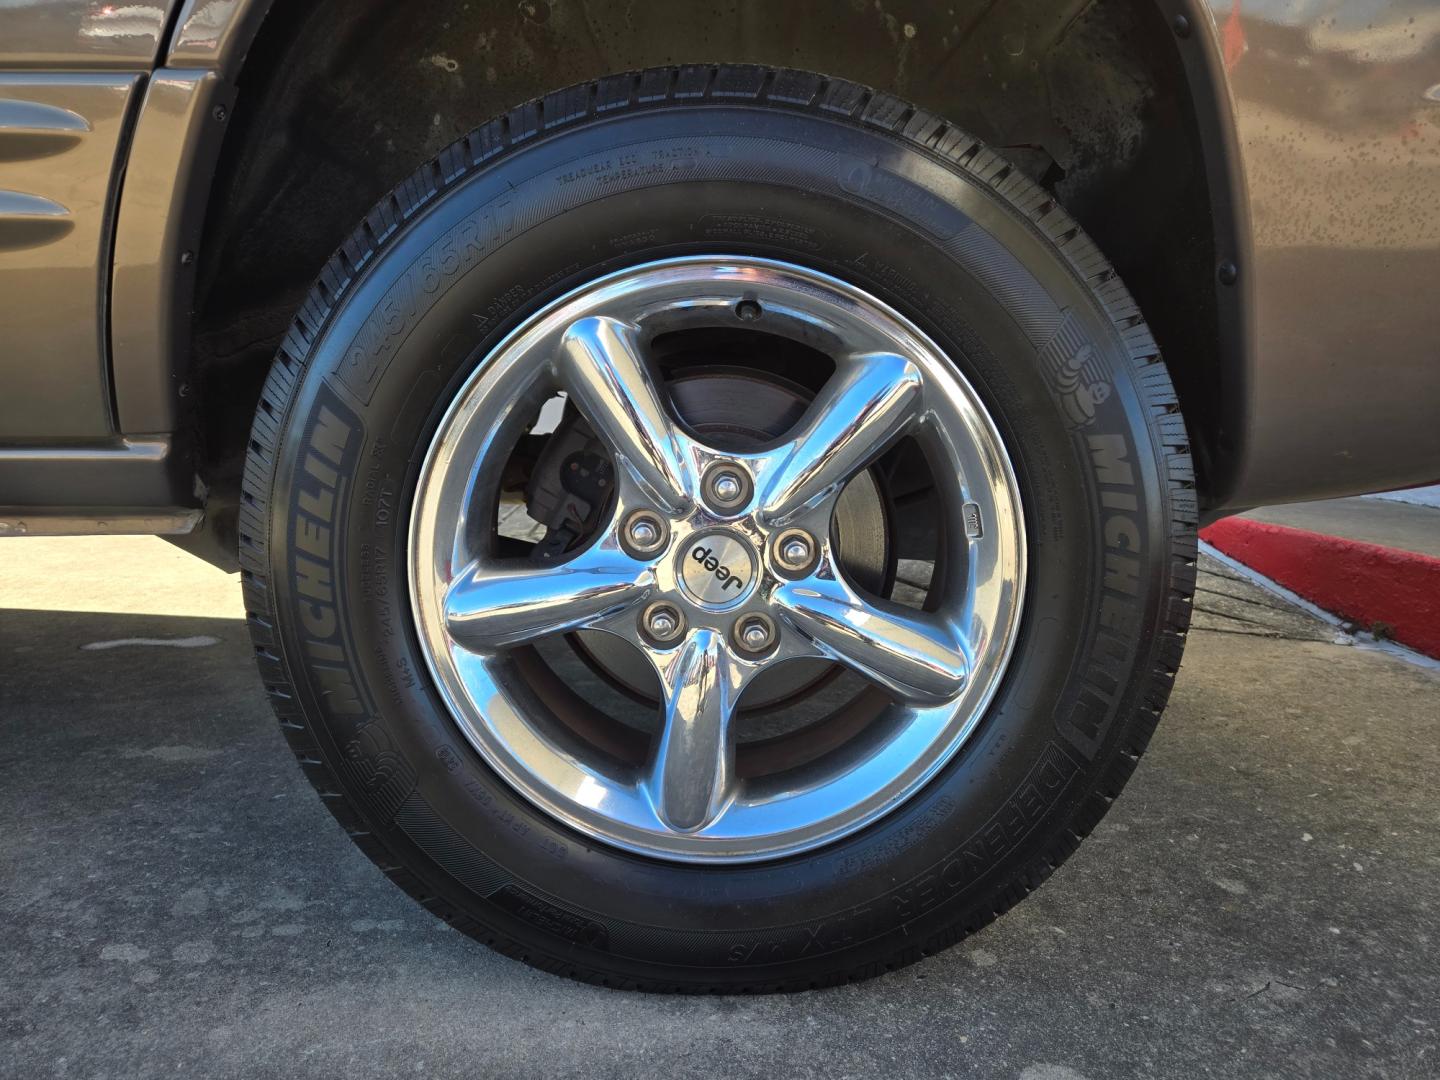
1262,899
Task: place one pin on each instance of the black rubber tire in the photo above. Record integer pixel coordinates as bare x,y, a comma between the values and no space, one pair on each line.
739,160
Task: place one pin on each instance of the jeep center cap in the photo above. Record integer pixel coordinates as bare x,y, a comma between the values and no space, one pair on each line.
717,569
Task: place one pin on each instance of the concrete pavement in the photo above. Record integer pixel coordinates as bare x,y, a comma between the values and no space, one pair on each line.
1264,900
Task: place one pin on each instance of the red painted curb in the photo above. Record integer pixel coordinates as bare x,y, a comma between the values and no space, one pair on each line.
1364,583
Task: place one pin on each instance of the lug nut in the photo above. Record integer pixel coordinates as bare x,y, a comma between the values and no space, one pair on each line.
644,533
726,486
663,622
754,633
794,550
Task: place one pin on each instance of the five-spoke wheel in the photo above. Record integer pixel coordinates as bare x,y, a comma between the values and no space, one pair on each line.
718,564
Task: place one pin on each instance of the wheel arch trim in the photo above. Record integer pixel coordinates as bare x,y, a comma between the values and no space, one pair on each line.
209,44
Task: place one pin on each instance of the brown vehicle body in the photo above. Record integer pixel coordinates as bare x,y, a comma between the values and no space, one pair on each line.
1264,174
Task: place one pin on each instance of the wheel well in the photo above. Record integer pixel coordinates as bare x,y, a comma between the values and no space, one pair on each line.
339,100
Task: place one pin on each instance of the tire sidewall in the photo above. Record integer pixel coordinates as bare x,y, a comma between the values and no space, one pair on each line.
928,238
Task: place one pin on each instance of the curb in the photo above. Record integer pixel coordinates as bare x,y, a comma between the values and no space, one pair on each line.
1365,584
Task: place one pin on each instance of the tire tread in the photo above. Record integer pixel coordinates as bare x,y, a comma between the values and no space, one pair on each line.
779,89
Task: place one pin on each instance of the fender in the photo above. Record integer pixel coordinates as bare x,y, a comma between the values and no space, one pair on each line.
210,40
1283,403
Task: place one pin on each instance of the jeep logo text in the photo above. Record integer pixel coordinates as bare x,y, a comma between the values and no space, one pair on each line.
706,558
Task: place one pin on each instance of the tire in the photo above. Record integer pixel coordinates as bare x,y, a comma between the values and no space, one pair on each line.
755,162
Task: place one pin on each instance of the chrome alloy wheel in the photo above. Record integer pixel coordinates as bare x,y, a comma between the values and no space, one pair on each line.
717,565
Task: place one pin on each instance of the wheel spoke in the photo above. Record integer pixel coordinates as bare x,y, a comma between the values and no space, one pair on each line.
853,418
602,366
693,769
918,657
487,608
